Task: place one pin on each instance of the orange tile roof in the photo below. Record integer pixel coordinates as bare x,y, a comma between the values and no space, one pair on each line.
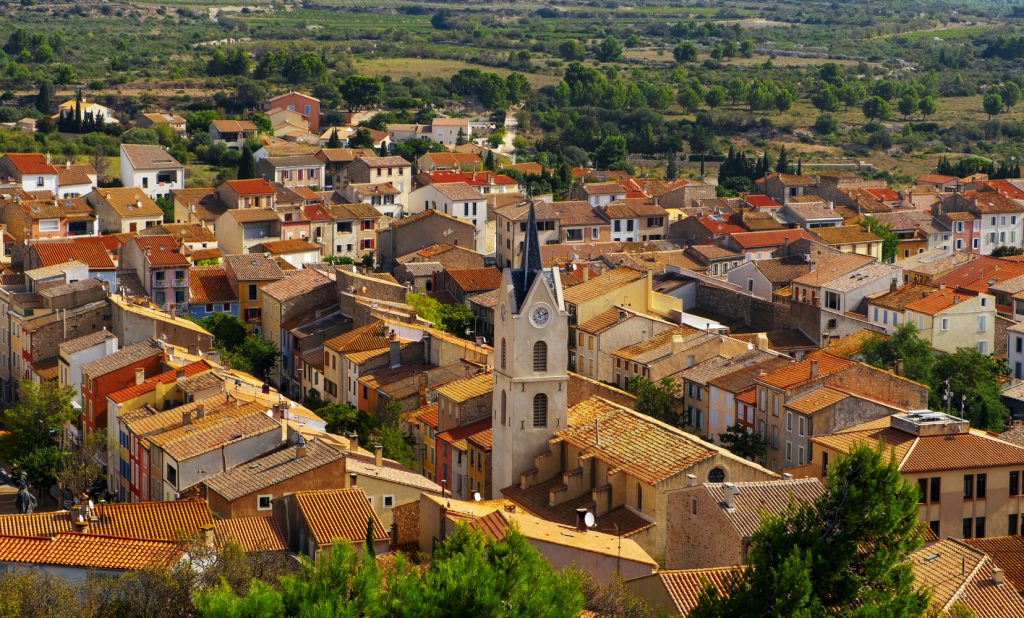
937,302
30,163
800,372
957,573
884,194
89,551
426,414
163,250
252,534
976,274
290,245
338,514
91,254
850,345
768,238
639,445
686,587
605,320
251,186
605,283
169,521
464,389
816,400
149,385
373,336
457,435
209,433
761,201
476,279
209,284
1008,554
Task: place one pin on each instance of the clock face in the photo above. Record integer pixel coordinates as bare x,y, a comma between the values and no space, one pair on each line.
504,312
540,315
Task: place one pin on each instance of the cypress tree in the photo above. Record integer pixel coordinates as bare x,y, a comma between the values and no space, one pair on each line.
782,166
78,112
671,170
369,536
246,164
489,161
334,142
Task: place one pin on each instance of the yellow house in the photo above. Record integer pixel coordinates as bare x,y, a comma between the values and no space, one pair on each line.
970,481
950,320
851,239
247,274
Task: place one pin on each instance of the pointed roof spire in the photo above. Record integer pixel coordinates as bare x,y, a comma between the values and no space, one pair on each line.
530,266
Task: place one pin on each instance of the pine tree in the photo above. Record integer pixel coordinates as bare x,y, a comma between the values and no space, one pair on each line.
369,537
246,164
334,142
460,139
782,166
671,170
489,161
44,100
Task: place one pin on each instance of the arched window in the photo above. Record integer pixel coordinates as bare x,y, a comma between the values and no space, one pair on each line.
540,410
540,356
502,352
717,475
504,407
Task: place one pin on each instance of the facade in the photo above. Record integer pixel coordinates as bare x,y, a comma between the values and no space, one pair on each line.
124,209
150,168
298,102
232,133
31,171
950,320
293,171
161,267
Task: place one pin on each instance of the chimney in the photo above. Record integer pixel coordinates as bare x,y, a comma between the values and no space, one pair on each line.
179,376
186,417
81,526
395,353
899,366
729,494
208,536
378,455
140,375
691,480
581,520
892,285
814,369
998,576
300,447
353,442
786,476
352,479
200,411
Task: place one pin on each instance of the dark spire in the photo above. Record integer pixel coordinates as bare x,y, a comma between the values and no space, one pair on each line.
531,266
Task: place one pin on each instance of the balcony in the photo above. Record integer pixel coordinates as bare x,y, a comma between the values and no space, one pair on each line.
181,283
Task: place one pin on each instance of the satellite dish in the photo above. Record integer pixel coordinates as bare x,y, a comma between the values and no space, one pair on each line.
589,520
476,496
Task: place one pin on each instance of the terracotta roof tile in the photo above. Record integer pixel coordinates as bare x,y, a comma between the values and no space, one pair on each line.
30,163
685,587
768,238
373,336
955,572
850,345
209,284
338,514
845,234
464,389
756,500
279,466
897,300
252,534
59,252
423,215
78,174
149,157
661,345
88,551
601,285
251,186
476,279
125,201
122,358
605,320
535,500
161,250
211,432
800,372
253,267
937,301
816,400
233,126
149,384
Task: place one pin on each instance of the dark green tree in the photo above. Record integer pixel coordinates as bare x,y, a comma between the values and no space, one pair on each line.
39,415
609,50
972,380
685,52
926,106
904,345
715,97
671,168
227,330
658,399
908,104
246,164
44,99
782,165
333,141
890,241
1005,251
368,547
611,152
361,91
744,443
845,554
572,50
1011,94
256,355
489,161
992,104
876,108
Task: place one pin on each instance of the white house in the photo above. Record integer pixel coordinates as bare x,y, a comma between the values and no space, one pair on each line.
458,200
152,169
32,170
446,130
102,112
75,180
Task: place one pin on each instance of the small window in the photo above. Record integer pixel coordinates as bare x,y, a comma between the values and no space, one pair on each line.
717,475
540,410
389,501
253,291
263,502
503,353
540,356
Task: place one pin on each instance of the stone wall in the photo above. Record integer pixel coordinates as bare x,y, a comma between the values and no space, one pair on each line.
739,307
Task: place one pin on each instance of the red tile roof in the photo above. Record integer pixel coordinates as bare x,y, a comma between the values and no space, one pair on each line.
456,435
30,163
937,302
473,179
884,194
761,201
976,274
338,514
476,279
163,250
92,254
251,186
209,284
316,212
1003,187
721,226
149,385
800,372
88,551
768,238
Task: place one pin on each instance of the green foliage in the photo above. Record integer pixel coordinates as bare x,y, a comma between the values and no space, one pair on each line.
396,444
44,99
609,50
360,91
246,164
611,153
715,97
972,380
344,418
744,443
41,467
845,554
232,62
40,414
454,319
572,50
992,104
256,355
658,399
876,108
927,106
685,52
467,576
904,344
1006,251
166,204
826,124
890,241
227,330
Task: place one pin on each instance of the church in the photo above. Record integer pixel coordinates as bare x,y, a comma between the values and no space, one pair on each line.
550,459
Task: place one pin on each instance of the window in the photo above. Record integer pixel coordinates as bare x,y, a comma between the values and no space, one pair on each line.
263,502
982,322
1011,525
979,491
775,437
40,181
639,497
979,527
574,235
1015,483
800,455
49,225
172,475
253,291
936,489
789,421
750,285
803,425
717,475
145,182
540,356
160,298
389,501
922,485
503,356
967,528
934,525
540,410
209,308
789,451
968,487
595,233
832,300
944,324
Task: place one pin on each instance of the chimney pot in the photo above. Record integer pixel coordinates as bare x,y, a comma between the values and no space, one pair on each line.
179,375
186,417
378,455
691,480
353,442
200,411
209,539
581,520
352,479
730,491
140,375
300,447
814,369
998,576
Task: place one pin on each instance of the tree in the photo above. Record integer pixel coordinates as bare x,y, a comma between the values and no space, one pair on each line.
572,50
844,554
44,99
876,108
908,104
40,467
972,381
256,355
345,418
685,52
992,104
689,97
246,164
903,346
611,152
361,91
851,93
671,168
609,50
715,96
1011,94
737,90
831,73
826,98
927,106
454,319
227,330
782,165
1005,251
81,465
658,399
890,241
40,414
489,161
333,141
748,444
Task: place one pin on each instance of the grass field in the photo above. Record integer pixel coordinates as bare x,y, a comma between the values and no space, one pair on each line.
398,68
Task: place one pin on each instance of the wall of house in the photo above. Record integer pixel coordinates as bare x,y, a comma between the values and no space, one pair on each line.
329,476
601,567
698,533
964,320
755,313
233,454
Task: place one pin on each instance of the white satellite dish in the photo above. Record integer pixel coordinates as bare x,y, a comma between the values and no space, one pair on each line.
476,496
589,520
